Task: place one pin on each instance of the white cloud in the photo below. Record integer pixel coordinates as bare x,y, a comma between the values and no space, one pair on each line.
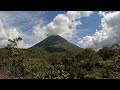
7,34
20,18
12,25
64,25
12,34
108,35
73,15
2,32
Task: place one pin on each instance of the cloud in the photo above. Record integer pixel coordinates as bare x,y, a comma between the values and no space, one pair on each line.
32,28
73,15
109,33
64,25
12,33
19,23
6,34
21,19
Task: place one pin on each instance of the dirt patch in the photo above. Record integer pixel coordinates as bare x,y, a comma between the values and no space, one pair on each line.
5,74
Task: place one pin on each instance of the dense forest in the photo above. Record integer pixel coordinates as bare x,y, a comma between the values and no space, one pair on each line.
37,63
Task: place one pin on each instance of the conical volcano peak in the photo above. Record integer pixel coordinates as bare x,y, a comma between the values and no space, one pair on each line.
56,43
55,36
53,40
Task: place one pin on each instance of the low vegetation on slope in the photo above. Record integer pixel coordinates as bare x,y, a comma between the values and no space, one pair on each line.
39,64
56,43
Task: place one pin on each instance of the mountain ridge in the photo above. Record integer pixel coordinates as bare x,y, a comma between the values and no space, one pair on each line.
56,43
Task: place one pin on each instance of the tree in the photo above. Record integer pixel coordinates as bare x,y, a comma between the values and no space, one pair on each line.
15,62
108,53
88,55
13,43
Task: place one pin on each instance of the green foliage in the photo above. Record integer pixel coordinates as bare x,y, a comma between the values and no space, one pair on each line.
36,68
62,75
54,59
108,53
36,63
88,55
106,64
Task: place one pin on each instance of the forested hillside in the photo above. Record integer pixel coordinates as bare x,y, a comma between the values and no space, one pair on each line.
38,63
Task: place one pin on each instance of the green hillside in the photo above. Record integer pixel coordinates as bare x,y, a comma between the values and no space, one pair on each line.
56,43
39,63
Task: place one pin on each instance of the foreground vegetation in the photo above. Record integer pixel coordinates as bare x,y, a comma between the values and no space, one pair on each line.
39,64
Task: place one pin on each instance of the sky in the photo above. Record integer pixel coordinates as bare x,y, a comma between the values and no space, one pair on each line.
86,29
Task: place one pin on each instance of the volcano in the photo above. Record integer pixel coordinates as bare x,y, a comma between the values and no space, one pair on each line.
56,43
